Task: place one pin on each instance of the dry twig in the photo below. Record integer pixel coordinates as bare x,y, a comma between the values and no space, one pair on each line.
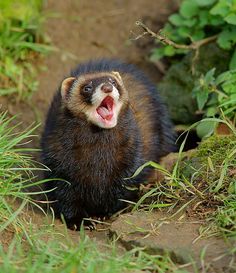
193,46
163,39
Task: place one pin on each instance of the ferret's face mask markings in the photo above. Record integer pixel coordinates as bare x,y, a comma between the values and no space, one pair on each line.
101,96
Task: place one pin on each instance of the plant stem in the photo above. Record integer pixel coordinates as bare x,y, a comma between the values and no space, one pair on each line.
193,46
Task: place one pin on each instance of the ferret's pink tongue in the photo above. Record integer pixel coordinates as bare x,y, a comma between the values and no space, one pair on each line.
105,113
105,110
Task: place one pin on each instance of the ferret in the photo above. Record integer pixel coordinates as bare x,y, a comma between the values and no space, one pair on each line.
105,121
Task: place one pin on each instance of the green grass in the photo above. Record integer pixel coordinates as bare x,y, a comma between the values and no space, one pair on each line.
86,256
16,171
205,177
21,43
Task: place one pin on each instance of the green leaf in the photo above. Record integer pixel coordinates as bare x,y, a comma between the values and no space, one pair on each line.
211,111
157,54
203,18
190,22
231,110
227,38
198,35
223,77
176,19
171,32
204,3
169,51
221,8
213,100
216,20
205,128
232,64
224,41
168,29
209,77
202,97
184,32
189,8
231,18
229,87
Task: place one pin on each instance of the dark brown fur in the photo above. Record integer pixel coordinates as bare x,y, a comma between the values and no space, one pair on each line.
95,161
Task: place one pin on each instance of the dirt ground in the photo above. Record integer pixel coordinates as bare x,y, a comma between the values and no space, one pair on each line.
87,29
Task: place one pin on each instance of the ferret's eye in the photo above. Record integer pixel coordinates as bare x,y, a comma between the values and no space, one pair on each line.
87,88
113,82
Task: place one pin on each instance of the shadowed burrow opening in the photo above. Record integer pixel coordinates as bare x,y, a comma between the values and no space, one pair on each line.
191,141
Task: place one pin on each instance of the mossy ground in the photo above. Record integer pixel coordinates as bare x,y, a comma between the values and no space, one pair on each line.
202,182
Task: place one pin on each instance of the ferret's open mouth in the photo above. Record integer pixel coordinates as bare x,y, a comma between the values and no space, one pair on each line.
105,109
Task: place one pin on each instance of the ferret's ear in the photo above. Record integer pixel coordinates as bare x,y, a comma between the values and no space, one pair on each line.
66,86
117,74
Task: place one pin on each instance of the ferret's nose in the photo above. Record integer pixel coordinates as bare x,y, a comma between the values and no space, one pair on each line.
107,88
